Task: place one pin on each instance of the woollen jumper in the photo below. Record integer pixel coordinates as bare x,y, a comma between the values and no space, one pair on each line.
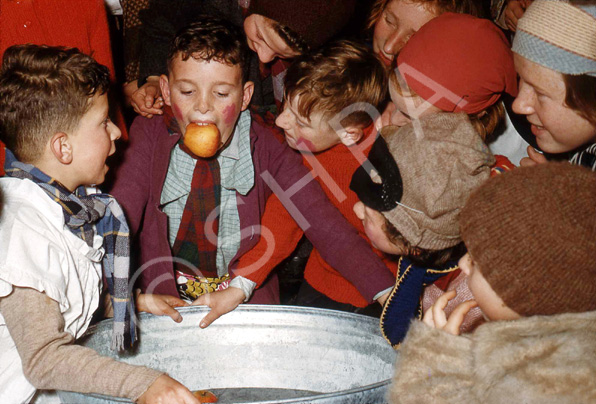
338,164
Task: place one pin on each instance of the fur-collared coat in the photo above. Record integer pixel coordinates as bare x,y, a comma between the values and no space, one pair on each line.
534,360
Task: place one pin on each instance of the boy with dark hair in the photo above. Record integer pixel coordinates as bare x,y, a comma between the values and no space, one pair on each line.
168,192
54,238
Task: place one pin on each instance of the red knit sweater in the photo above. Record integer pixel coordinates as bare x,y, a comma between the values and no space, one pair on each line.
80,24
340,163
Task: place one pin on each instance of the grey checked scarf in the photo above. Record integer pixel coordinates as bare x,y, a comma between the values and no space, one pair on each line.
81,212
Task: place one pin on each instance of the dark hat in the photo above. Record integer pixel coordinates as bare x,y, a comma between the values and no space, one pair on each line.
532,232
316,21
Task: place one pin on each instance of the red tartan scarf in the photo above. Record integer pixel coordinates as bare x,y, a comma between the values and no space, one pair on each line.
196,241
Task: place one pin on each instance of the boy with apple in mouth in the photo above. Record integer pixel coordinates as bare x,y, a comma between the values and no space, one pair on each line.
195,213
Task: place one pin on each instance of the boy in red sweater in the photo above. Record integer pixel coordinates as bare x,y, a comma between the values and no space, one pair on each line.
332,97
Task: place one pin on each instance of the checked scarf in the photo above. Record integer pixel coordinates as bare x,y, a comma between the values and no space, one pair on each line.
196,241
81,212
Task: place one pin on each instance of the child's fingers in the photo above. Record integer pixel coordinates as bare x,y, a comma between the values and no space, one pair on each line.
437,310
210,318
456,318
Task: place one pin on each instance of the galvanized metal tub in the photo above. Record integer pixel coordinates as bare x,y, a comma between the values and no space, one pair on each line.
261,354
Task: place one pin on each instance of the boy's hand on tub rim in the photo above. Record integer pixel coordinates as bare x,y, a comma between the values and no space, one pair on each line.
160,305
220,302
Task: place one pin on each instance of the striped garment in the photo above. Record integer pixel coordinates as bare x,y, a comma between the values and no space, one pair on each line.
87,215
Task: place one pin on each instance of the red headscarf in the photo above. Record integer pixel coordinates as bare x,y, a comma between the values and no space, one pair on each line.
459,62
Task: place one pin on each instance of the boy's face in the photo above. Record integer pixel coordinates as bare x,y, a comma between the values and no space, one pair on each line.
541,98
310,135
398,22
374,227
92,143
263,39
492,306
206,92
408,106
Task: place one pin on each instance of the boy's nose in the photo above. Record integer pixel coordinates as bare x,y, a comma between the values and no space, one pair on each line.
282,120
115,132
202,104
359,210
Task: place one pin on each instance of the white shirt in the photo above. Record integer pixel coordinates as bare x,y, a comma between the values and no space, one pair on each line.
39,252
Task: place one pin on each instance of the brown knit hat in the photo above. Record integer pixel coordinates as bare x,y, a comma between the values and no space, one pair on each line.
532,232
315,21
440,164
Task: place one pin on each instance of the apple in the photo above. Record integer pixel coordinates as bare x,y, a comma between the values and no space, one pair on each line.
202,139
205,396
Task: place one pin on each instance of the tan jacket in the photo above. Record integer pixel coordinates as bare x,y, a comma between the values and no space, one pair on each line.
534,360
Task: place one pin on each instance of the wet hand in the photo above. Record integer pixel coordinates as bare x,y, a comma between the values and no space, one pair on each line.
165,390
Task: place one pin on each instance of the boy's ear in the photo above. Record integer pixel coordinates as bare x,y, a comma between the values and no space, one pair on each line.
164,85
249,88
351,134
61,147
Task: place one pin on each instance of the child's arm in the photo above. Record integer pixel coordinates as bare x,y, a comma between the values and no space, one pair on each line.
51,361
337,241
279,237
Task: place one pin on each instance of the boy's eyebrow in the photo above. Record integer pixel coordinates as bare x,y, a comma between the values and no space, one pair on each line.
299,116
217,83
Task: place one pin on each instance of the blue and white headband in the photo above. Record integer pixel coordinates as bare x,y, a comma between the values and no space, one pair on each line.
559,35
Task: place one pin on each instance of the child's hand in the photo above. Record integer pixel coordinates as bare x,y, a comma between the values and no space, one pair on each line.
435,315
160,305
534,158
147,100
165,390
514,11
221,302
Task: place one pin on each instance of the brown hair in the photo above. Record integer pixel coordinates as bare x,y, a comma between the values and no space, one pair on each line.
45,90
581,95
472,7
211,38
291,38
484,122
420,256
337,76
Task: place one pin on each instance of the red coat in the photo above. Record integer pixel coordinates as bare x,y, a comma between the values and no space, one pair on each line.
80,24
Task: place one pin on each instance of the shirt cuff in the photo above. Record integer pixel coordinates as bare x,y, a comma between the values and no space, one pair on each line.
381,293
246,285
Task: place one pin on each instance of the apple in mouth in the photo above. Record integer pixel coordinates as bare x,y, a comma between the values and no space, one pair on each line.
202,139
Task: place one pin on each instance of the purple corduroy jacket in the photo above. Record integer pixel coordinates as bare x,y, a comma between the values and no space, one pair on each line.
139,183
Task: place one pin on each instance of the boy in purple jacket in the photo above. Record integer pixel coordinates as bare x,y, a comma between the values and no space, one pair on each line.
194,217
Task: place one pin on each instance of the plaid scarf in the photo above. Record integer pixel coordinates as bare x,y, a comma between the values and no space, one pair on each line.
81,213
196,241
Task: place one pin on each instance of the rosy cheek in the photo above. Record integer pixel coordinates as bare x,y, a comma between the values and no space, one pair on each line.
177,112
230,114
306,143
